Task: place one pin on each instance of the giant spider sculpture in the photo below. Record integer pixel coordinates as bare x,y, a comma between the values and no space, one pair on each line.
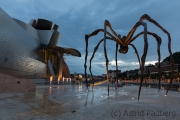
126,41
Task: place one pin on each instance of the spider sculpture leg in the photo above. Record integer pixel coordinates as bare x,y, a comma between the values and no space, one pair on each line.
122,43
107,24
116,63
147,17
95,49
136,54
86,40
105,53
128,40
143,58
158,39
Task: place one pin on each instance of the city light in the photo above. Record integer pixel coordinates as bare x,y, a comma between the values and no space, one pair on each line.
51,79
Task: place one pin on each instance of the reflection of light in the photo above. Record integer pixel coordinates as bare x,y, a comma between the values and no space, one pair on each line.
80,88
165,95
50,90
58,79
126,94
132,98
63,78
101,96
58,87
122,90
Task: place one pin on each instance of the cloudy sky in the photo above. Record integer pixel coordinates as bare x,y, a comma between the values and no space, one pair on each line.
79,17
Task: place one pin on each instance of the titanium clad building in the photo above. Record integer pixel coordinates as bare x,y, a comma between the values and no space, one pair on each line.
30,50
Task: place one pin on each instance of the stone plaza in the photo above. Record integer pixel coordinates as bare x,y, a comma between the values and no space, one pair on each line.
74,102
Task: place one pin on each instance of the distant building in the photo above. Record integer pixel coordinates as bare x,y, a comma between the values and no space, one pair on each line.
112,73
166,68
132,72
147,69
103,75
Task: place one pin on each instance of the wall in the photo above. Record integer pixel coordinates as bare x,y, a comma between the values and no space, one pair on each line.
13,84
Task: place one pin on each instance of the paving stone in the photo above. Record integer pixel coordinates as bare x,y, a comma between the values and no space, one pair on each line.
73,102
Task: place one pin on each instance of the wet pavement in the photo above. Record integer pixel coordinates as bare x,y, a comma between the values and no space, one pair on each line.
74,102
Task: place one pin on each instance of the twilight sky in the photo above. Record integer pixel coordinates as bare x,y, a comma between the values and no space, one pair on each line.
79,17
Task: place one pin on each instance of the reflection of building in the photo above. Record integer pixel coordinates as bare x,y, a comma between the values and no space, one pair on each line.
30,50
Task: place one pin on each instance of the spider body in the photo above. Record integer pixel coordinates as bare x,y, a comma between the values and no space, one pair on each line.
126,41
123,49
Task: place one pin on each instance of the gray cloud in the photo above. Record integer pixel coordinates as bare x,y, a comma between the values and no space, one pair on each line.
79,17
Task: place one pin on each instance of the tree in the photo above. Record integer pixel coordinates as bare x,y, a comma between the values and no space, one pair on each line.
176,57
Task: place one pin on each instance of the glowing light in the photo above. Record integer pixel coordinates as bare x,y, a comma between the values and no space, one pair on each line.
126,94
51,79
80,76
165,95
132,98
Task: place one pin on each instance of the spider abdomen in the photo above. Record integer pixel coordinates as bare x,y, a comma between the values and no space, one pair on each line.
123,49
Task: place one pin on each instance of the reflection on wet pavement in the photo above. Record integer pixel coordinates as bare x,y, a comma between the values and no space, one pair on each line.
75,102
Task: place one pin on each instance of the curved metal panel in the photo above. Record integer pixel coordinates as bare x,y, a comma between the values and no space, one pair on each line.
65,70
55,27
14,38
70,51
45,36
22,66
18,49
32,31
54,38
32,22
43,24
